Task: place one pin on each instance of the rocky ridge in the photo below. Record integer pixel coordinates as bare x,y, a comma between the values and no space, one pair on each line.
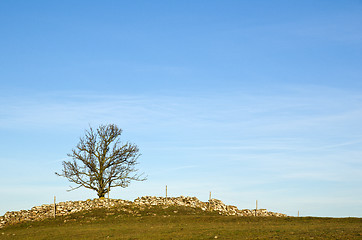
65,208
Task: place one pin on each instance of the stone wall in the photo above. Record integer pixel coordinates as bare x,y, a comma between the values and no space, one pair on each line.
65,208
212,205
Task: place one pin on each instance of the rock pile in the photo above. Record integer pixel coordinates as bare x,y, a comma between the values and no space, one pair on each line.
65,208
211,205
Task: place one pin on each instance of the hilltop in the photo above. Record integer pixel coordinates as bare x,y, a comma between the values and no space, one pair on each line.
172,218
65,208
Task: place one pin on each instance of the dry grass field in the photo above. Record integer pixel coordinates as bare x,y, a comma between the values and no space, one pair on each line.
159,222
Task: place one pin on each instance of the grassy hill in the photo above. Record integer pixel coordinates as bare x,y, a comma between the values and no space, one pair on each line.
178,222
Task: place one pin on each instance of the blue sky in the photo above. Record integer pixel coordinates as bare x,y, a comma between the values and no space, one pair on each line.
251,100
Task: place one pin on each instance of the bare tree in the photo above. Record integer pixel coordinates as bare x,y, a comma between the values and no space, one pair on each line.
100,161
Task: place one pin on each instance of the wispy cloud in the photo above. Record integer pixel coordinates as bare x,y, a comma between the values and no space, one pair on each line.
273,111
174,169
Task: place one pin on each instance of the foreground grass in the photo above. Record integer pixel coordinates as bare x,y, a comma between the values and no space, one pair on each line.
180,223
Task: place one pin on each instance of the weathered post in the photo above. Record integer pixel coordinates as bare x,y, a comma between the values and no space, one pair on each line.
210,201
109,188
55,207
166,194
298,213
256,208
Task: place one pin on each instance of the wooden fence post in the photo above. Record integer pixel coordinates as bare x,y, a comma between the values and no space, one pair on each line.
166,195
256,208
55,207
210,201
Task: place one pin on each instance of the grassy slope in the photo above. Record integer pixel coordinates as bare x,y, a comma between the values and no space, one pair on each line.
180,223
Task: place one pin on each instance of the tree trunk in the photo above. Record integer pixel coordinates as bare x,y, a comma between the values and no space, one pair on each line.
101,194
